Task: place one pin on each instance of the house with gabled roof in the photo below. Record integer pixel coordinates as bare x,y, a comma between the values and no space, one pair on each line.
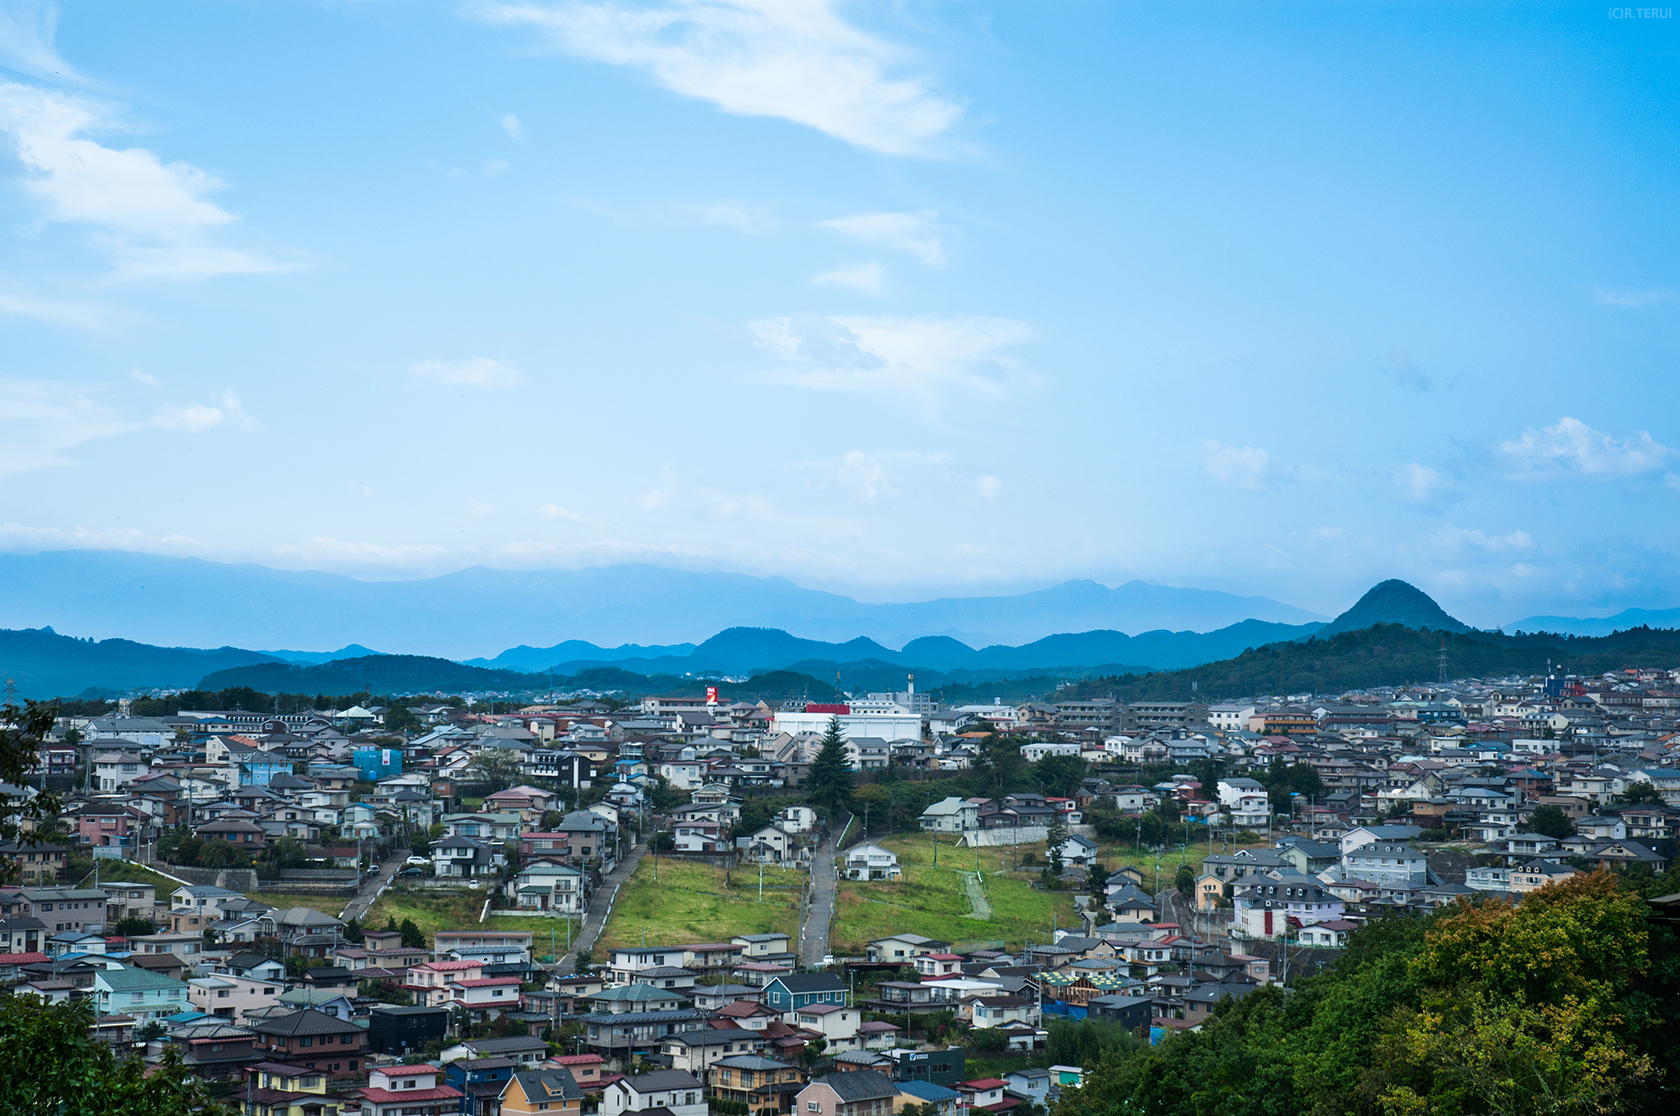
551,1090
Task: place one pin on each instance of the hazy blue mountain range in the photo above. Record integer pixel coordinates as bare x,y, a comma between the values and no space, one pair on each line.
43,663
40,663
352,651
1600,625
187,601
749,650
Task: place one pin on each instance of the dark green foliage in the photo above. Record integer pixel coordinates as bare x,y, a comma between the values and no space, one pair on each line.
1387,655
133,926
1300,778
1087,1042
1452,1015
1551,821
1096,879
412,938
1058,776
50,1063
828,785
1185,880
661,795
286,852
1056,836
1642,792
22,729
1151,830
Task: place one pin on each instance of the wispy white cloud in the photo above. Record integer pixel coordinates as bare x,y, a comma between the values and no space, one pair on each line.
1421,484
1245,467
864,277
42,419
19,535
154,218
481,372
752,219
555,511
862,474
326,548
1572,448
27,28
989,487
1448,538
495,167
915,233
512,126
141,376
912,358
71,313
796,60
196,418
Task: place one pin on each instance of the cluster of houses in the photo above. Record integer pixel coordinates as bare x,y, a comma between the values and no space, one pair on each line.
734,1019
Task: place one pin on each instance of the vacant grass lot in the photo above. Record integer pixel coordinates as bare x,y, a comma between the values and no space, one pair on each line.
933,902
124,871
695,903
440,909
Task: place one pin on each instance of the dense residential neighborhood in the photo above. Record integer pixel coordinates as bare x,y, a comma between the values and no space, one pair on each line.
196,887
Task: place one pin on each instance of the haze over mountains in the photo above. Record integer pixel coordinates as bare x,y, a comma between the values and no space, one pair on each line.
477,612
192,601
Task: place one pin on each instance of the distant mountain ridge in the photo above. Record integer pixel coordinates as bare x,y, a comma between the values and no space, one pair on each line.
746,650
40,663
44,663
1622,621
471,613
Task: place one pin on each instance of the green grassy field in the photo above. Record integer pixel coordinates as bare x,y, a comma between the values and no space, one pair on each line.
123,871
934,901
694,903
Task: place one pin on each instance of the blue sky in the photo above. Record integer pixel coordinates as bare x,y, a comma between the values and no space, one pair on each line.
895,299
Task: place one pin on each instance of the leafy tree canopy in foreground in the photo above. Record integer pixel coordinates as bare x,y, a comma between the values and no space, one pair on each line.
1566,1003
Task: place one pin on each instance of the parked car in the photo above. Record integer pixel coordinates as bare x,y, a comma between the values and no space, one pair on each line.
418,861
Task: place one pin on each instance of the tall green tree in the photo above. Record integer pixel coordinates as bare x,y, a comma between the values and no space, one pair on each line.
22,730
1059,776
828,784
497,768
1550,821
1055,840
51,1063
1185,880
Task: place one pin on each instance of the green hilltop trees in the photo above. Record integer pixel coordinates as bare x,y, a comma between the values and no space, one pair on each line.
1568,1002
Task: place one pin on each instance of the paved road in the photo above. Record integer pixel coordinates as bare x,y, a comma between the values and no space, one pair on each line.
370,890
813,932
595,918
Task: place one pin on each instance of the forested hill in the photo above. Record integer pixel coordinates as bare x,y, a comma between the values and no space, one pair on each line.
39,662
1389,655
412,674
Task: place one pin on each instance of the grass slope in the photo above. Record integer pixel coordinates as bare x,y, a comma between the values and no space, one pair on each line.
933,901
449,909
697,903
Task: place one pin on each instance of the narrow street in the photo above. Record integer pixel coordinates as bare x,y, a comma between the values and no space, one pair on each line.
370,890
813,932
595,918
